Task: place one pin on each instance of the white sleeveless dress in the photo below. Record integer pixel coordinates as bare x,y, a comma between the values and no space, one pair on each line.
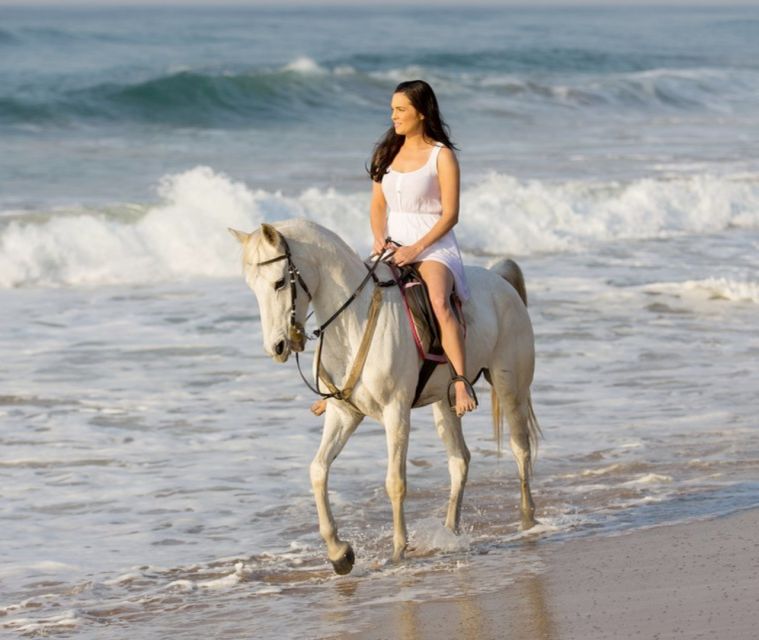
414,206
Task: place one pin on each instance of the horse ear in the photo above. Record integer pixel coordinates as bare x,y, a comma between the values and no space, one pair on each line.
241,236
271,236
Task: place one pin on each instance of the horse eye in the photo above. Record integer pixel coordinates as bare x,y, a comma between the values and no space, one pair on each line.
279,284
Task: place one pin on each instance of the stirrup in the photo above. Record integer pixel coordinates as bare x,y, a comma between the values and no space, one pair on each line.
469,388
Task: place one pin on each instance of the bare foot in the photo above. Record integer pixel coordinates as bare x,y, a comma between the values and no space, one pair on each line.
319,407
464,402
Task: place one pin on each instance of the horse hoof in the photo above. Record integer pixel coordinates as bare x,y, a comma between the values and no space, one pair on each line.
399,556
528,522
344,564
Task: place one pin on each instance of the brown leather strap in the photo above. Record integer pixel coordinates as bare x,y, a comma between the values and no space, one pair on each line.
363,351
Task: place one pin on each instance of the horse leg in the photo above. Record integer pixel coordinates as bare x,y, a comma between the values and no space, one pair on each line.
339,425
519,438
519,416
448,426
397,425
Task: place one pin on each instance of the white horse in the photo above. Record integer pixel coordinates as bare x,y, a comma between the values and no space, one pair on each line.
289,262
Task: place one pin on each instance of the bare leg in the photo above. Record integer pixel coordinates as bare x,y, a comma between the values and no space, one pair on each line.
397,425
449,429
439,281
339,425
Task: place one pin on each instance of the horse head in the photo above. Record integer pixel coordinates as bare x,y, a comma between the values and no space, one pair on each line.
280,290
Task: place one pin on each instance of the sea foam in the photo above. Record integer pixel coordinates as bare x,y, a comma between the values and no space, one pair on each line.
722,288
184,235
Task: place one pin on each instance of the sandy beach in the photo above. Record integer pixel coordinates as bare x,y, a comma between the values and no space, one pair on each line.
695,580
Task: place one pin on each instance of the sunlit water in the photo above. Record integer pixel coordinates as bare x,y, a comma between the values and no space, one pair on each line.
155,462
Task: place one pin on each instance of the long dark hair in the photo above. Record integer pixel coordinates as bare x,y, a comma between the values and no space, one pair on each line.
423,99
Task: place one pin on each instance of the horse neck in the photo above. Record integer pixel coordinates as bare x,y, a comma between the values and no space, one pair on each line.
339,273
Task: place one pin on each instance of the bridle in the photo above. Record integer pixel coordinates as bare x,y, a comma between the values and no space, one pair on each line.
296,331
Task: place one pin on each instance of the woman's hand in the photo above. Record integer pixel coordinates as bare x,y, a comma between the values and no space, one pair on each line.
406,255
379,246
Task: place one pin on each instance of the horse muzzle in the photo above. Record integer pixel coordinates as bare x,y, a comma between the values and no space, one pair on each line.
295,342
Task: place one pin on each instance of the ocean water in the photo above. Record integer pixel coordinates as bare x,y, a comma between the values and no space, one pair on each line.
154,462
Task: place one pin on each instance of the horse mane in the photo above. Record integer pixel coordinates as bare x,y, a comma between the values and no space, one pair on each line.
301,234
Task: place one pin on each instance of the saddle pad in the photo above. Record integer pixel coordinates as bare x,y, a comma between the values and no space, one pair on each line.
425,323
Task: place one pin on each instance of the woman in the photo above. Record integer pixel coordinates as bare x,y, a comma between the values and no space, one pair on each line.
415,202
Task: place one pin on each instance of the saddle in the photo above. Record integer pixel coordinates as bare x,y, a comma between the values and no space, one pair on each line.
423,323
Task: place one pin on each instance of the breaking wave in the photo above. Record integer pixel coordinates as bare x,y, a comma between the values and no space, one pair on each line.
184,235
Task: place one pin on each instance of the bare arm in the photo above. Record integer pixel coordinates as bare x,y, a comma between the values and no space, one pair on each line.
378,217
448,175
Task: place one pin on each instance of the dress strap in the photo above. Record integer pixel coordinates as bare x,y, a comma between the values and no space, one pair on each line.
432,160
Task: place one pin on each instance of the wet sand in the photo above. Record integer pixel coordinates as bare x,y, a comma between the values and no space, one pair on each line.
696,580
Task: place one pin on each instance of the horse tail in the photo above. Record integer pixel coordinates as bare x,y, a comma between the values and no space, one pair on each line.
534,432
498,419
510,271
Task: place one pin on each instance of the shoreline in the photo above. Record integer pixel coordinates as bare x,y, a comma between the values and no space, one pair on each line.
690,580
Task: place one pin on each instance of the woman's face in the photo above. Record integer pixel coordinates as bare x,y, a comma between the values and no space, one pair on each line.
406,119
